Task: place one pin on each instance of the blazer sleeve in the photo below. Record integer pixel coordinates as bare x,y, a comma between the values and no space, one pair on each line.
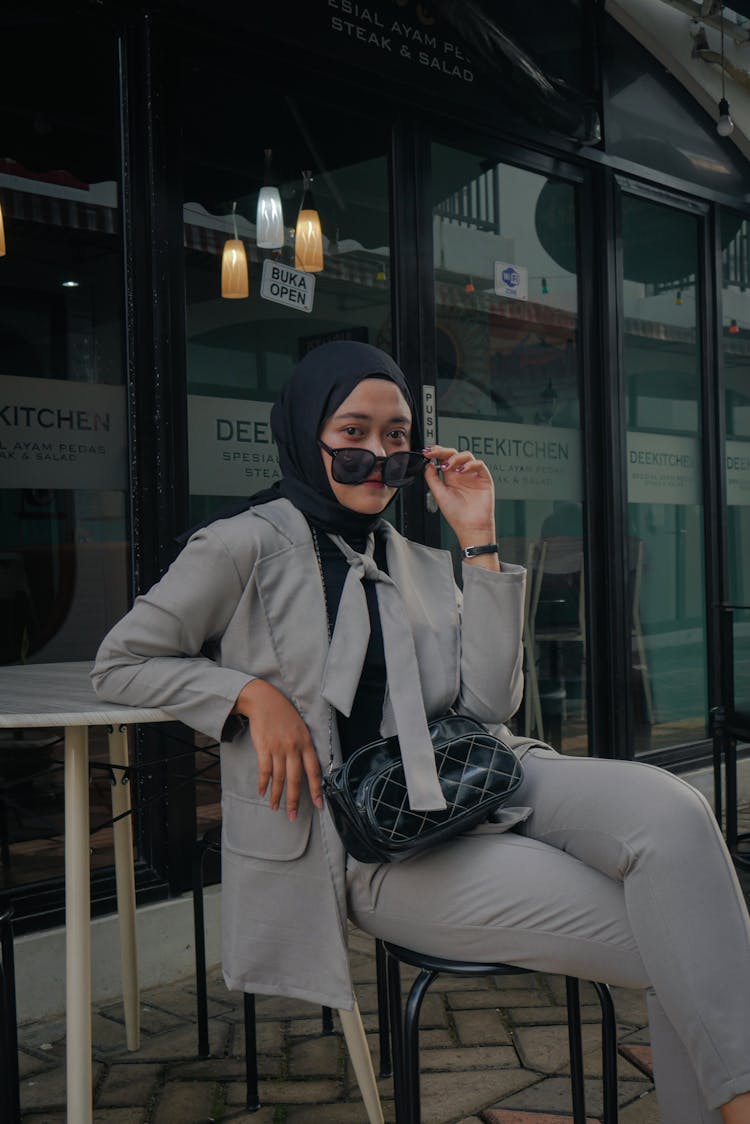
154,655
491,607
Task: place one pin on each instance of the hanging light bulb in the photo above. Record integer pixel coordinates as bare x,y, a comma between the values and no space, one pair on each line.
2,234
678,297
734,328
380,275
469,286
269,221
545,286
234,278
725,124
308,237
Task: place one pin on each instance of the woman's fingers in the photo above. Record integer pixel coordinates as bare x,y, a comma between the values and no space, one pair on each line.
283,746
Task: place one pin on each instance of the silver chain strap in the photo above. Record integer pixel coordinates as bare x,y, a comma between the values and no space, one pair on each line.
319,560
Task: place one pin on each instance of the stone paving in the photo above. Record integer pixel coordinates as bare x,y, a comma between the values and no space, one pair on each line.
493,1051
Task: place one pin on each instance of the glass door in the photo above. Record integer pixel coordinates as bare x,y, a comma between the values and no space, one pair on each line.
507,387
662,361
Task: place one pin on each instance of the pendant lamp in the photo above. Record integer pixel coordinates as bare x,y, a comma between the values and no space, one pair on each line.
2,234
234,278
269,222
308,237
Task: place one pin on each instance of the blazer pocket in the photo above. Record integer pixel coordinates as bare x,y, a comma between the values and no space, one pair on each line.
253,830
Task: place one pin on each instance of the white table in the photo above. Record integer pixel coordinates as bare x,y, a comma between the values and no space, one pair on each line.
36,695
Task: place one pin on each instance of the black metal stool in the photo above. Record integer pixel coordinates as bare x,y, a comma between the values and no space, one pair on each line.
210,843
10,1102
405,1029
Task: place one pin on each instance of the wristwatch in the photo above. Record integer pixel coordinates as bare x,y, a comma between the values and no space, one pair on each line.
475,551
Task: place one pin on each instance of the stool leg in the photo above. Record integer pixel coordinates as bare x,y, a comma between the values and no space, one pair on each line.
393,974
383,1023
411,1044
327,1019
609,1053
573,997
200,951
252,1102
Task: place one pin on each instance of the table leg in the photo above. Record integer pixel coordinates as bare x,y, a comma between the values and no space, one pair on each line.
78,926
123,839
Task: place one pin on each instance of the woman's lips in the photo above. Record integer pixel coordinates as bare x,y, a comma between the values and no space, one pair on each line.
374,483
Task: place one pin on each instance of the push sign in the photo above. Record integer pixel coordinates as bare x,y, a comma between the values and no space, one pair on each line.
284,285
511,281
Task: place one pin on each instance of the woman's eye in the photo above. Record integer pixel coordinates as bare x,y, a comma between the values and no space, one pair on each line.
352,431
397,435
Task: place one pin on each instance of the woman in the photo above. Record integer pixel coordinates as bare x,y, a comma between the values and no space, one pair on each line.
618,873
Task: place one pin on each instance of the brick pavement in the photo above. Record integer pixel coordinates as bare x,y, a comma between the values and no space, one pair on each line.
494,1051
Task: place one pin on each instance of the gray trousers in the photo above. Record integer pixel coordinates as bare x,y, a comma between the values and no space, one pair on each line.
620,875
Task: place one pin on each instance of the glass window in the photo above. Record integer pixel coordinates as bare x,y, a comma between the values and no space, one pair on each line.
64,556
507,388
735,339
651,119
241,351
661,355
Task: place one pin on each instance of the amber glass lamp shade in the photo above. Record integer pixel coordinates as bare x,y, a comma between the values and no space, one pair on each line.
308,236
269,219
234,278
308,242
2,235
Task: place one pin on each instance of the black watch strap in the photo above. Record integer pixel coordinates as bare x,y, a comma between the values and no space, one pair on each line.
475,551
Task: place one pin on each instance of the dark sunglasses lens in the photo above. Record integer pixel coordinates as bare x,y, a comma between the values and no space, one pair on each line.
352,466
402,468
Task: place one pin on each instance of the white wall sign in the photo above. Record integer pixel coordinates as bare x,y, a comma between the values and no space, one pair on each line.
231,451
511,280
527,462
56,433
284,285
663,468
738,472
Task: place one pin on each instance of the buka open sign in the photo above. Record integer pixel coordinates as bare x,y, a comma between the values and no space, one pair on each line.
284,285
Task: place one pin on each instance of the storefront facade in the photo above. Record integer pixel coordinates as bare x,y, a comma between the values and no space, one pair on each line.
559,266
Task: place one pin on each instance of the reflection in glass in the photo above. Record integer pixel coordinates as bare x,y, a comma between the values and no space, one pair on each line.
240,353
64,552
662,366
507,386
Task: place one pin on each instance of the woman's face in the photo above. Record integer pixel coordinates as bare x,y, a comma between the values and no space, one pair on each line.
377,417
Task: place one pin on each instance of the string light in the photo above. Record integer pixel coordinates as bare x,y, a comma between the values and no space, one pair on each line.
380,275
545,286
469,286
734,328
678,297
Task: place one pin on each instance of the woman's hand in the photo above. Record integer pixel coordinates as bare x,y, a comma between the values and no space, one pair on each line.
282,743
465,495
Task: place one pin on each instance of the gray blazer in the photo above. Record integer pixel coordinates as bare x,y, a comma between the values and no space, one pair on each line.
243,600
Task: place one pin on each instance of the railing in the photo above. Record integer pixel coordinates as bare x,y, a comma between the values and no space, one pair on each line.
735,267
476,204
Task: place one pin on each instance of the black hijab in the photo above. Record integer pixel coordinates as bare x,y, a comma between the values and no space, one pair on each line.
316,388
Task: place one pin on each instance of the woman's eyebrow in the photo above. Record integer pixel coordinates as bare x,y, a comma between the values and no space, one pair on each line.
351,416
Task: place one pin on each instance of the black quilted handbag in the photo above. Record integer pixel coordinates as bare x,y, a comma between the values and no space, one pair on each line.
369,804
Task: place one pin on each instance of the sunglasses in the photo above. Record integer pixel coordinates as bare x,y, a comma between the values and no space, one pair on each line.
354,466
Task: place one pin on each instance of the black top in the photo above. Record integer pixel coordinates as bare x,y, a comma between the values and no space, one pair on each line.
363,724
